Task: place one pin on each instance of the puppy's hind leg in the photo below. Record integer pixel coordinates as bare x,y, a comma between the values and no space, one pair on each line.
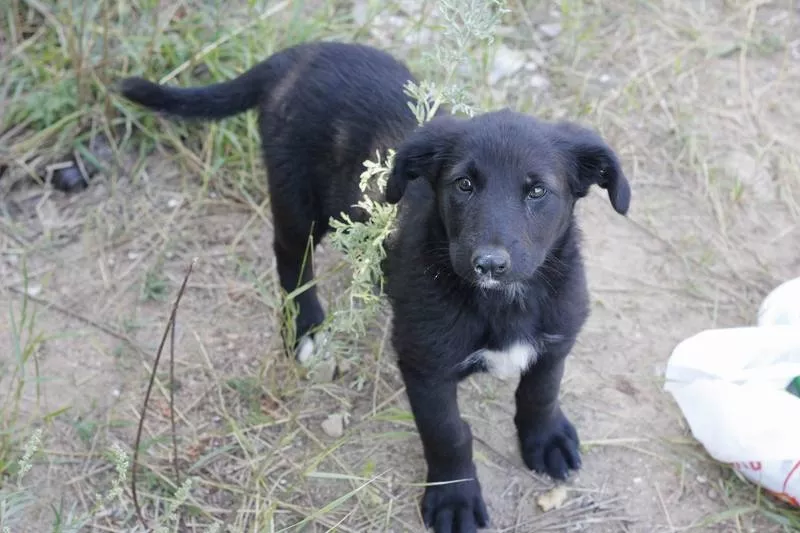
296,271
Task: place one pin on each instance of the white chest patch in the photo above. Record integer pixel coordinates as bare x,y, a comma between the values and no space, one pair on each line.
508,363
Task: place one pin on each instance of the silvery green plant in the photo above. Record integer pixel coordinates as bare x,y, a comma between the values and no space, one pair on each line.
15,501
466,23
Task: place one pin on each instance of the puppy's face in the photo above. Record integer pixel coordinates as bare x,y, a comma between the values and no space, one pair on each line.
503,200
506,185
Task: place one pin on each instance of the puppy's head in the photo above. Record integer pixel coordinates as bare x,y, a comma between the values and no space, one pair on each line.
506,185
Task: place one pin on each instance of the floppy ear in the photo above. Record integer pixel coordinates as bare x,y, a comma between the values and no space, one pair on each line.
592,161
422,155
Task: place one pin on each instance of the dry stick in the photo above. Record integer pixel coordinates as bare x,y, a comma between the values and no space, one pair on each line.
108,330
172,394
5,230
170,326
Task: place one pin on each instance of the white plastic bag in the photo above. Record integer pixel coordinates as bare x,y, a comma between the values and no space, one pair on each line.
730,385
781,307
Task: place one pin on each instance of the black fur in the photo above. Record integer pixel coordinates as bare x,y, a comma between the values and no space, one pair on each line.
486,252
324,108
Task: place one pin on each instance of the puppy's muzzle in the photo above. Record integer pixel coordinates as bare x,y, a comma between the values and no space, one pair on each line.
491,263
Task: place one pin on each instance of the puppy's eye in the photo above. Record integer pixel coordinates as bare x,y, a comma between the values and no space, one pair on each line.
464,184
536,192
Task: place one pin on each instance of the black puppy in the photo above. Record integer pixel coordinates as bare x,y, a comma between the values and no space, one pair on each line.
483,272
324,108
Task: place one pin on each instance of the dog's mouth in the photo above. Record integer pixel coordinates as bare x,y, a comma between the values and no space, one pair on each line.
490,284
511,290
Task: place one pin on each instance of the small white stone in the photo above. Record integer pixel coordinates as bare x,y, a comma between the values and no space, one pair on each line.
551,29
345,366
752,173
333,426
538,81
507,62
360,12
34,290
324,371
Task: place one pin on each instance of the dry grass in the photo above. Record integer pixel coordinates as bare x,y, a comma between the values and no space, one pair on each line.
702,101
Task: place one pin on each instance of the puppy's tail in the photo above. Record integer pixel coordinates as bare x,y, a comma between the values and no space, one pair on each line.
214,101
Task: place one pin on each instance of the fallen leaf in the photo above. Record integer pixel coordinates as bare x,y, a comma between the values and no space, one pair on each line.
553,499
268,405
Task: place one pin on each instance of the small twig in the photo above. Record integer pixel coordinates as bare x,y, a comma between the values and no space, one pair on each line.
170,326
664,507
5,230
172,395
77,316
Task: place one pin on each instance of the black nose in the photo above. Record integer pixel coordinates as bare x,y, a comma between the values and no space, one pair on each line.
491,261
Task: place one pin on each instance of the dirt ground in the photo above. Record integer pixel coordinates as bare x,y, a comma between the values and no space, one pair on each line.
701,99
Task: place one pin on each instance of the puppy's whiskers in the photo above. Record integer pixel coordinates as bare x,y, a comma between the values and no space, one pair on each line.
512,292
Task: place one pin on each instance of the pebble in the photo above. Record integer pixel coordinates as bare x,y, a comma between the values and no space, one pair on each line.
324,371
345,366
507,62
550,30
34,290
360,12
69,179
333,426
538,81
754,174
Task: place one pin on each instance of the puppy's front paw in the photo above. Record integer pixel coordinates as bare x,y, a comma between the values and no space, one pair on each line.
455,507
550,448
